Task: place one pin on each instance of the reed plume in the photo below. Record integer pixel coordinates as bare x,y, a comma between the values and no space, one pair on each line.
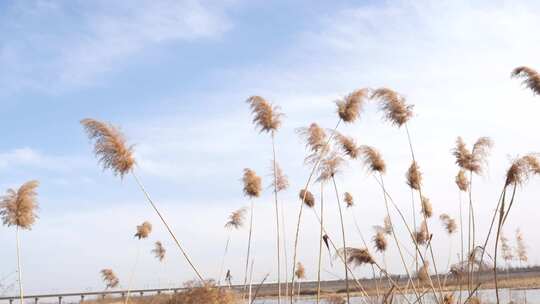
348,199
236,219
394,106
159,251
281,181
414,176
380,242
373,159
265,116
300,274
521,169
143,230
307,197
521,249
349,107
330,166
347,145
356,256
475,159
315,138
18,208
461,181
423,272
252,183
110,146
109,278
506,250
113,153
387,227
421,234
427,208
449,223
531,78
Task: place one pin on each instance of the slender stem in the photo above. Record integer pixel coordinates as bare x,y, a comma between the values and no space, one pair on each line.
223,259
250,280
462,242
132,276
320,246
277,218
315,166
284,237
471,234
249,244
19,268
343,238
167,226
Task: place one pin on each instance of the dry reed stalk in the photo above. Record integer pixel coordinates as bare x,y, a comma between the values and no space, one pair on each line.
531,78
320,246
252,189
235,221
110,279
113,153
300,275
18,208
143,231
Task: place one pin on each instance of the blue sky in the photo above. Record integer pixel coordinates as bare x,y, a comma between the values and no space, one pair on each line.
174,75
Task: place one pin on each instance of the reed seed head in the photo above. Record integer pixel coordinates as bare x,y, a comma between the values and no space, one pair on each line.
18,207
373,159
281,181
427,208
252,183
414,176
521,249
159,251
387,228
449,223
315,137
476,159
347,145
109,278
307,197
300,271
380,242
350,106
521,169
531,78
329,167
396,110
356,256
236,219
143,230
461,181
421,234
349,200
265,116
110,146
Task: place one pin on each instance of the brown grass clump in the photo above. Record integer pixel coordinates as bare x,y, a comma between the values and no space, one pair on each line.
373,159
109,278
18,207
472,160
300,271
143,230
110,146
265,116
357,256
449,223
427,208
350,106
252,183
423,272
159,251
308,198
348,198
334,299
521,169
207,294
330,166
380,242
448,299
394,106
314,136
414,176
531,78
347,144
236,219
461,181
281,182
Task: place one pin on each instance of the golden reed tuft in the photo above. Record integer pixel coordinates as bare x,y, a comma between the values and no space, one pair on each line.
348,145
143,230
373,159
414,176
357,256
307,197
236,219
394,106
531,78
315,137
461,181
300,271
159,251
380,242
252,183
18,207
421,235
427,208
350,106
521,169
109,278
265,116
330,166
281,181
474,160
110,146
348,198
449,223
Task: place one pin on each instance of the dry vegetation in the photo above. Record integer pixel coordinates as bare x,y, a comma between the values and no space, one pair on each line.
327,152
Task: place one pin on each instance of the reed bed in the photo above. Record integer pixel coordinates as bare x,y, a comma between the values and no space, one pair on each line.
328,152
